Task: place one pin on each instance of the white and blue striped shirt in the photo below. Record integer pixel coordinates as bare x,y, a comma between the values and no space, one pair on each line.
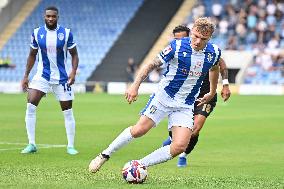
186,69
52,48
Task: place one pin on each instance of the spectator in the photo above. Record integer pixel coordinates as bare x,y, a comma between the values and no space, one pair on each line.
130,69
6,63
217,9
256,26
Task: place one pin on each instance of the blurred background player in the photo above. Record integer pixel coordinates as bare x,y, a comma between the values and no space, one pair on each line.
200,112
188,59
51,41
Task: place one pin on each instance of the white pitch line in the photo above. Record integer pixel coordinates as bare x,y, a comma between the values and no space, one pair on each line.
39,145
51,146
11,149
15,143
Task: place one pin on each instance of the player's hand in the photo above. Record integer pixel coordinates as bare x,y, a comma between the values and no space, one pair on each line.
131,94
71,78
25,84
225,93
205,99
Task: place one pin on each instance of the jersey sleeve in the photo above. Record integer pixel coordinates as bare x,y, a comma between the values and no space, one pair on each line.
70,42
168,53
33,43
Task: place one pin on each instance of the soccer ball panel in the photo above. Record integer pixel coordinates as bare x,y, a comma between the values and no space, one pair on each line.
134,172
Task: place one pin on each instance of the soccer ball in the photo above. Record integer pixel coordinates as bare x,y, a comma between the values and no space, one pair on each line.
134,172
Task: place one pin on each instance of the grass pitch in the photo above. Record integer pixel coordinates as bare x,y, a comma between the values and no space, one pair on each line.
240,146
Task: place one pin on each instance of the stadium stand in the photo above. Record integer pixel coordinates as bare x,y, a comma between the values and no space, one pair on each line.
254,26
136,40
96,27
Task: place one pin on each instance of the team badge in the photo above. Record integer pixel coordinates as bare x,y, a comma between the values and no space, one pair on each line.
209,57
153,109
60,36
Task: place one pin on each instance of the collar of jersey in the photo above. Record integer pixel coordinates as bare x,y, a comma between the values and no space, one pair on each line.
52,30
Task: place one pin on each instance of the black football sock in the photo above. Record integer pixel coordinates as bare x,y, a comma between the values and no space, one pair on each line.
193,141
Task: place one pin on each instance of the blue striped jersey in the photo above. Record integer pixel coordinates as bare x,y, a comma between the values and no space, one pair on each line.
52,48
186,69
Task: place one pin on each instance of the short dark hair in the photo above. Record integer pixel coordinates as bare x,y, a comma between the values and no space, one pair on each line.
181,28
52,8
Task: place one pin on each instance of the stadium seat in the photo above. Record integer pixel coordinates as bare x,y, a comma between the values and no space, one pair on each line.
95,28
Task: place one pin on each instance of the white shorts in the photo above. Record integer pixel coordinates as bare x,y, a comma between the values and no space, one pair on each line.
182,117
63,92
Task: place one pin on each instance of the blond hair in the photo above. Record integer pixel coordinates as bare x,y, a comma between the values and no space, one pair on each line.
204,25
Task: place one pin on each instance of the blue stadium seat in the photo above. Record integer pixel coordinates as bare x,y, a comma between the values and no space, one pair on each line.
95,27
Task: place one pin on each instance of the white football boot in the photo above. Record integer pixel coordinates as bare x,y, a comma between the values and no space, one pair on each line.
96,163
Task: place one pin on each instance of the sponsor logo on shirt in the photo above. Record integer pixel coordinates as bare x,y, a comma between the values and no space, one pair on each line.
191,73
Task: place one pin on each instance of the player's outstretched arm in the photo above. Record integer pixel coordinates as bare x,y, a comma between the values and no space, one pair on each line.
213,78
75,62
132,92
30,63
225,92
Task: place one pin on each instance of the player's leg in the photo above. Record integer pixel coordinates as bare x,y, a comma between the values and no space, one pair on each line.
199,121
36,91
201,113
181,138
181,124
65,96
151,115
70,125
139,129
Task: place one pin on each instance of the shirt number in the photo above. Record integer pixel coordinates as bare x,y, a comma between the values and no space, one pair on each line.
66,87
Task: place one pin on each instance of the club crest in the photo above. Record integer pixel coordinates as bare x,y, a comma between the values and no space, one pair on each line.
60,36
209,57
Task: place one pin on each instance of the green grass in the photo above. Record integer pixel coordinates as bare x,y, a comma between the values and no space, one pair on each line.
241,145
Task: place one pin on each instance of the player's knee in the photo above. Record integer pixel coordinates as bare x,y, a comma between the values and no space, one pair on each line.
177,148
137,131
141,127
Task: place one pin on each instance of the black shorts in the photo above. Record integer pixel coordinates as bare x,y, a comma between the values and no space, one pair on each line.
205,109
